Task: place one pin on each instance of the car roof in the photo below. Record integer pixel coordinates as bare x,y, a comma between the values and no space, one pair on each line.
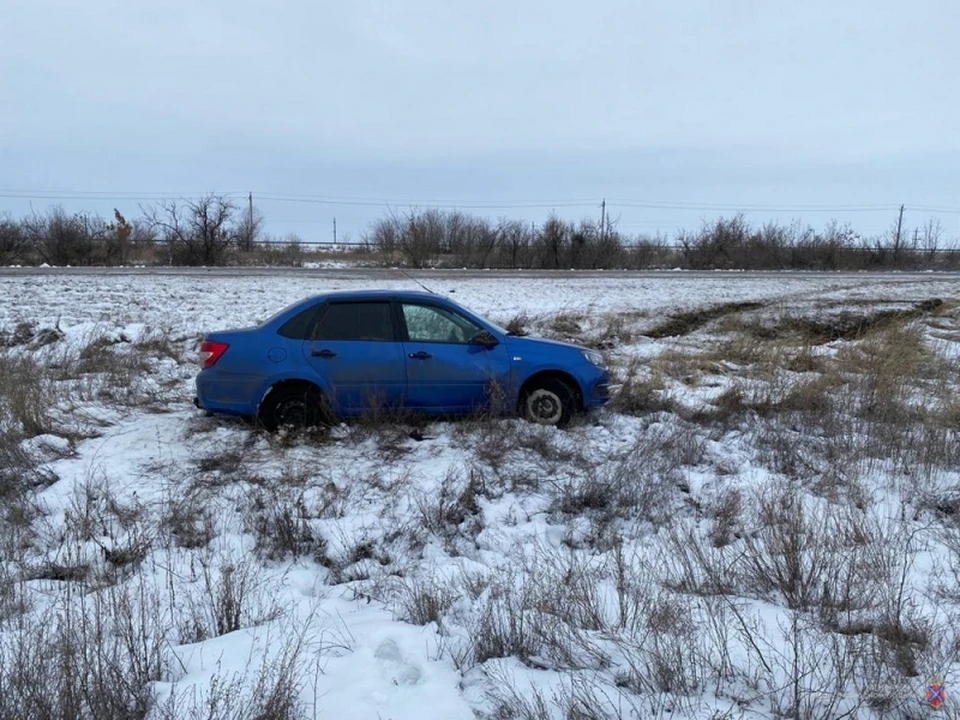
379,295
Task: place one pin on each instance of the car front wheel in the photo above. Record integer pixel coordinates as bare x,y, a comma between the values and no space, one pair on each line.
548,402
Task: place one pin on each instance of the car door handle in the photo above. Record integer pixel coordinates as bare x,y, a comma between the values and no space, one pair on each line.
323,353
420,355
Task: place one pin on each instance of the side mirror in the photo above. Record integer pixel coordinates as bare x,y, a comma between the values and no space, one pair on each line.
484,339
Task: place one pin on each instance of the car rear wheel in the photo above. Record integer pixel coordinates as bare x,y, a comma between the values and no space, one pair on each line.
294,406
549,401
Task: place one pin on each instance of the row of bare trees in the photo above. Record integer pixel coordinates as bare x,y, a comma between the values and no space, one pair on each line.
435,237
58,238
212,230
207,231
734,243
427,238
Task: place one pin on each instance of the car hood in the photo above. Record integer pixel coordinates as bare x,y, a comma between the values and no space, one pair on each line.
532,343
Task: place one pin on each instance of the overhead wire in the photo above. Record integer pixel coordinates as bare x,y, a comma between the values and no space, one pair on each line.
276,197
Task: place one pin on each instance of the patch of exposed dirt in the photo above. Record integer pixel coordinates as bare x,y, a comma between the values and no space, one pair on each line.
847,325
686,322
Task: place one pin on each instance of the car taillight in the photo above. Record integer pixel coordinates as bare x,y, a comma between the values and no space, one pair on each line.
210,352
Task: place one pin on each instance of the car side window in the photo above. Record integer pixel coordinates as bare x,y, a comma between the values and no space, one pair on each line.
298,327
356,321
428,323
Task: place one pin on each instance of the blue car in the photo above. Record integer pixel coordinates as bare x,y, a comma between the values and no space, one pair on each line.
351,354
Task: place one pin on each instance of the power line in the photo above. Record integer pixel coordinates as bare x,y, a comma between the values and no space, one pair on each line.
753,207
274,197
110,195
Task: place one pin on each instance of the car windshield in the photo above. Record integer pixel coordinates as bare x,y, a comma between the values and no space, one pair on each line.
497,327
486,321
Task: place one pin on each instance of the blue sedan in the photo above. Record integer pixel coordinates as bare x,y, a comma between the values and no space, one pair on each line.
352,354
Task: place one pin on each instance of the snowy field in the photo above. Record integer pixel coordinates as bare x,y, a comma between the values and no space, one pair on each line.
764,523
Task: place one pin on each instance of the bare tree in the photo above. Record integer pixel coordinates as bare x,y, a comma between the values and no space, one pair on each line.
647,251
249,230
459,237
486,240
384,237
930,235
515,242
62,239
423,238
553,240
117,240
196,232
13,242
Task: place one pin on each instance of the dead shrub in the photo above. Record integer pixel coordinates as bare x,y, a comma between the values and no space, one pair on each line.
26,332
517,325
280,522
644,484
726,516
224,594
159,344
271,692
442,510
566,324
686,367
491,439
26,399
94,655
641,397
527,620
189,523
806,555
425,600
224,461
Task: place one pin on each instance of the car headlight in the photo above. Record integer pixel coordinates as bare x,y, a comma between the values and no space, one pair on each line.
594,357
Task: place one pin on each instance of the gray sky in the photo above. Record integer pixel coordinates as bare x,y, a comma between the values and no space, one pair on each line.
811,109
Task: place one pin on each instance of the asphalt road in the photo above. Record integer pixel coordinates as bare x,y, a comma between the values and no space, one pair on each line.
453,274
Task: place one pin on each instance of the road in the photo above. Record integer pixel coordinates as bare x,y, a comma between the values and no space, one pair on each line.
373,274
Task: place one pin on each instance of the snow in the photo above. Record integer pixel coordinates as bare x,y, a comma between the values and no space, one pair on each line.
374,499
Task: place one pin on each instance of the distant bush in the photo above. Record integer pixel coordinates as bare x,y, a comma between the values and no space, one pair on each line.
13,242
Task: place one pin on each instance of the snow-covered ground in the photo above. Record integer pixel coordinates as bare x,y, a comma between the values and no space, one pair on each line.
676,555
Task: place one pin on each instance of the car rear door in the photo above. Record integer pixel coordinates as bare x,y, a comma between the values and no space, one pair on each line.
355,351
446,373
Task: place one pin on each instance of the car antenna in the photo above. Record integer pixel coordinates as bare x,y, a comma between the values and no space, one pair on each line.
411,277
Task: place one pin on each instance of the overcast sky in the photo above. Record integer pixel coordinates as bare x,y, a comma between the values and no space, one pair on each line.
674,111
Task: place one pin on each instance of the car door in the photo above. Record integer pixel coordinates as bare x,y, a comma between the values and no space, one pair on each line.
445,371
355,351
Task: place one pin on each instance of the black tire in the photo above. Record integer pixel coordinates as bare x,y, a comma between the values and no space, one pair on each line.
549,401
297,406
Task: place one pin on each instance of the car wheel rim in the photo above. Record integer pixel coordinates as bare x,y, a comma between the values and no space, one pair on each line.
292,412
545,407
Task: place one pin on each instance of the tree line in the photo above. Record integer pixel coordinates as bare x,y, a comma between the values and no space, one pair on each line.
212,230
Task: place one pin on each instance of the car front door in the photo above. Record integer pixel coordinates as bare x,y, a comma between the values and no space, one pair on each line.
355,351
446,372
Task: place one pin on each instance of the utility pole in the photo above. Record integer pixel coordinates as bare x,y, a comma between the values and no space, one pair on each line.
896,244
603,219
250,222
334,231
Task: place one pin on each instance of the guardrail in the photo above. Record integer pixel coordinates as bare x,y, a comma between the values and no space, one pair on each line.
667,248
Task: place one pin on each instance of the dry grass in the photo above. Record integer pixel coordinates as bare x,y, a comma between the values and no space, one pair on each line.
749,534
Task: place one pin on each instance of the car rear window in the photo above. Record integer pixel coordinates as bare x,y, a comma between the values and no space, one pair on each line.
356,321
